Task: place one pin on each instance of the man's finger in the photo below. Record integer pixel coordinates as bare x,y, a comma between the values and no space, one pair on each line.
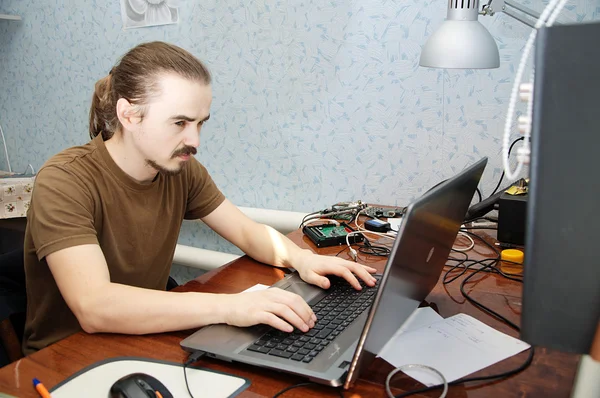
285,312
273,320
297,304
362,272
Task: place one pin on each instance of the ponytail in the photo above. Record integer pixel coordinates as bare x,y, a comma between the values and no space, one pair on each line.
103,114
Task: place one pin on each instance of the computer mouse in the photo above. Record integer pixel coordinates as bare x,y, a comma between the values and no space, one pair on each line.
139,385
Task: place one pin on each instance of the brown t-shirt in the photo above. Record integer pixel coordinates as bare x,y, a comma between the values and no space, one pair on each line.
82,197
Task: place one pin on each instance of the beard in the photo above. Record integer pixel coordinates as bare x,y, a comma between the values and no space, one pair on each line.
186,150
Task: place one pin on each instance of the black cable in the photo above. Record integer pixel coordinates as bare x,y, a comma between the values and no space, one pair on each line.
478,194
373,250
194,357
308,215
502,176
503,375
299,385
445,281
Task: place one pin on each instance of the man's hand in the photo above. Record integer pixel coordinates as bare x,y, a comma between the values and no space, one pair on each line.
312,268
275,307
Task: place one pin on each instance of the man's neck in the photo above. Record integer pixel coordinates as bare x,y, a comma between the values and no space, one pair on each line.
129,159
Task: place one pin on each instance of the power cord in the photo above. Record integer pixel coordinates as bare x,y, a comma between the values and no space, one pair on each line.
194,357
300,385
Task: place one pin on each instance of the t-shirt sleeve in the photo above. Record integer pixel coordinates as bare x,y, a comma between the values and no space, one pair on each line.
61,213
203,194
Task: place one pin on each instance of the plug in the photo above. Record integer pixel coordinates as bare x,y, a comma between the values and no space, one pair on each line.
376,225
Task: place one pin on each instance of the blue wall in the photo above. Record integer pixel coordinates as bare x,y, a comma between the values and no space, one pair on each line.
314,102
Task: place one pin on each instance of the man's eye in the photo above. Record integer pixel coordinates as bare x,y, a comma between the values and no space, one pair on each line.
180,123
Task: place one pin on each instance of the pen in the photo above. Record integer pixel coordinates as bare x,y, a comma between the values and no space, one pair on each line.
40,388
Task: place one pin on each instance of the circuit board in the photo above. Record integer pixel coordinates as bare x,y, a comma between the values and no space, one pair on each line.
387,212
325,235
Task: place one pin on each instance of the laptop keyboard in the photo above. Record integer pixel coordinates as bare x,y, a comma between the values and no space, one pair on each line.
335,312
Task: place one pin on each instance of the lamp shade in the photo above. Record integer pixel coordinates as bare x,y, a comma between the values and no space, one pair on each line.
461,42
462,45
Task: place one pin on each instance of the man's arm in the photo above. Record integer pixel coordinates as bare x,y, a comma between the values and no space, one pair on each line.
83,279
266,245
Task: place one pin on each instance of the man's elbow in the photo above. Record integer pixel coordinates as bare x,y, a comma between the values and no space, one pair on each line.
88,314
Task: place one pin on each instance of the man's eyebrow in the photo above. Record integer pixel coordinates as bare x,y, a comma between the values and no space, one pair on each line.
187,118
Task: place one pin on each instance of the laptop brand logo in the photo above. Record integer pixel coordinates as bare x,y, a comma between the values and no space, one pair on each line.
430,254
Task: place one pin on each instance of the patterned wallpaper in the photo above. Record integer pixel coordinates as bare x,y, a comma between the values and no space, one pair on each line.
314,102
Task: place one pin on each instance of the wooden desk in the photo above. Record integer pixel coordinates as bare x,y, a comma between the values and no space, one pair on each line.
551,374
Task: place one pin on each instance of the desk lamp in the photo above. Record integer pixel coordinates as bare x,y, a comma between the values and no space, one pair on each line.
462,42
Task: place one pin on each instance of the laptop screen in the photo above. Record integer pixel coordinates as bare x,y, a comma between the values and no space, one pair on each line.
420,251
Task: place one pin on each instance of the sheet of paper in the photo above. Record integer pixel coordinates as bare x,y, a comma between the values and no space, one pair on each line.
256,288
456,346
421,317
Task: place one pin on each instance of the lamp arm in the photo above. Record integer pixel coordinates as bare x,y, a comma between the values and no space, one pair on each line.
519,18
494,6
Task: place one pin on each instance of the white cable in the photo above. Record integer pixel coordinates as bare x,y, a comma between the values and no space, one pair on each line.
524,150
361,230
410,366
555,13
312,220
29,166
465,249
5,150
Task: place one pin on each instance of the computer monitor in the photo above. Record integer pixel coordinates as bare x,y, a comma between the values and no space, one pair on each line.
561,293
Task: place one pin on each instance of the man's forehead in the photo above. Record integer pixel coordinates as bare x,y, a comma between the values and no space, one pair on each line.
179,96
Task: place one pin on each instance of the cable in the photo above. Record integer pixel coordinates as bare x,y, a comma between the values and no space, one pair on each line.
502,176
465,249
478,194
5,150
415,366
524,151
194,357
373,250
299,385
304,218
312,220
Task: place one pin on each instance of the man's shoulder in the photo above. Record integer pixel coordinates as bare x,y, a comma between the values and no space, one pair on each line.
65,158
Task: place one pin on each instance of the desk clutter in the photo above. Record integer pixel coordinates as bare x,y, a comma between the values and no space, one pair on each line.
96,380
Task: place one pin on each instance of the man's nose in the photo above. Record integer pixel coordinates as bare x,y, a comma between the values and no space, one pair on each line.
192,137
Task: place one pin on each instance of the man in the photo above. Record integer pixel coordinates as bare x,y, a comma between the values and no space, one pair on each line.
105,217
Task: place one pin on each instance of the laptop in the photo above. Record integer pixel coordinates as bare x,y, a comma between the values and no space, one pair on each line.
353,326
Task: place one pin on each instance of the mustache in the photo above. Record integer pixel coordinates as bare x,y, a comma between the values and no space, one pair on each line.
186,150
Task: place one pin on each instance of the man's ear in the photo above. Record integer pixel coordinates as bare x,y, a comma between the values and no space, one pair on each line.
128,114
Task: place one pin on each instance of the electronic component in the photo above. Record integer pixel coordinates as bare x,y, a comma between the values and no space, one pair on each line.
325,235
512,215
387,212
377,225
